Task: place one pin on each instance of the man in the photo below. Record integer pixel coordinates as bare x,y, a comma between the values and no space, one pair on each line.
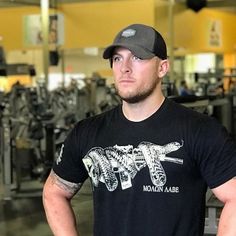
150,160
183,89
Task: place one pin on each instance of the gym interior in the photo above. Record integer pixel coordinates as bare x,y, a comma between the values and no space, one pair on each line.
52,75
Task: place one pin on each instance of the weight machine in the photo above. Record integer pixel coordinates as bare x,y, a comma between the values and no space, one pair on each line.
33,127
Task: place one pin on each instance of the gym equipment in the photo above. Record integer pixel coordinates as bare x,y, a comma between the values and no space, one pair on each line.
213,210
6,151
35,122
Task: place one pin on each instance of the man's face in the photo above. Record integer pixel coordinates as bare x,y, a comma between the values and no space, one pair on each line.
135,79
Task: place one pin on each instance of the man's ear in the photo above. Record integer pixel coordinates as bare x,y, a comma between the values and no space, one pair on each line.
163,68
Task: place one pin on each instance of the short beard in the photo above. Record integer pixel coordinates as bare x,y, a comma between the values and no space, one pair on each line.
138,97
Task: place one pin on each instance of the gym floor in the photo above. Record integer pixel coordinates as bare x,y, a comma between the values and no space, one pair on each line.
23,215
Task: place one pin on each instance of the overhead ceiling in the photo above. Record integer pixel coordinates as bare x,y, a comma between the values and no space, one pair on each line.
52,3
227,5
23,3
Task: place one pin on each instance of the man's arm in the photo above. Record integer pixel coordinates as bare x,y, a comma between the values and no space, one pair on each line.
227,194
57,194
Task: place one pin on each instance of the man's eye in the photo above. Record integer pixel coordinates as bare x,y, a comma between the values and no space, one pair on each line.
135,58
115,58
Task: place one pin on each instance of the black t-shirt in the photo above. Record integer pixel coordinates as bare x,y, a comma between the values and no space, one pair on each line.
149,177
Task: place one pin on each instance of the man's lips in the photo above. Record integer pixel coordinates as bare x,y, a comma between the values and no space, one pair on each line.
126,80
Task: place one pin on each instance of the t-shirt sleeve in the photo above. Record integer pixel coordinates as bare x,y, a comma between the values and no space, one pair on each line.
216,153
68,165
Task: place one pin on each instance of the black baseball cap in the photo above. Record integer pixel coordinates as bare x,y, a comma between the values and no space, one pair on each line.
142,40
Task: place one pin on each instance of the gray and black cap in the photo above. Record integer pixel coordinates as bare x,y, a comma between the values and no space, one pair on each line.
142,40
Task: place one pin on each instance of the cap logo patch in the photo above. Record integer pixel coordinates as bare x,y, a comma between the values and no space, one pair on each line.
128,33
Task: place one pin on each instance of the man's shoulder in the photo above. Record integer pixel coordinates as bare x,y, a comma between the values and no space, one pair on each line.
101,117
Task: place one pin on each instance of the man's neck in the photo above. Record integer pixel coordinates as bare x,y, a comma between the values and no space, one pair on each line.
142,110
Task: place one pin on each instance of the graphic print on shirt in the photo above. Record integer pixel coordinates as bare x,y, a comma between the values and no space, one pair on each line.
58,159
102,164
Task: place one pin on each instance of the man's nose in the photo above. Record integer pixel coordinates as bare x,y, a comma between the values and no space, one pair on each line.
126,66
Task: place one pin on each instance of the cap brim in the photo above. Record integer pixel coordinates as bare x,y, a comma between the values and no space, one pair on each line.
136,50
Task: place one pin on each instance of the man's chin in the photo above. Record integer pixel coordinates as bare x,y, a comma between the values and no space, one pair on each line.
134,99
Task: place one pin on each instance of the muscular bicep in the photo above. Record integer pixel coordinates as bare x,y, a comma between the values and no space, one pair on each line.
56,185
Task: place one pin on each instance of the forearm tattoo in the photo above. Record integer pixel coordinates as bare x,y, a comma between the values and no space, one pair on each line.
70,187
